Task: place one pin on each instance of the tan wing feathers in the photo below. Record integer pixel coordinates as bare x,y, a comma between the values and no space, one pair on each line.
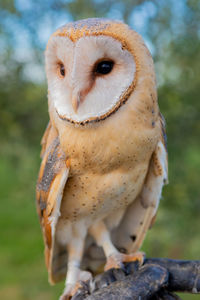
141,213
150,196
52,177
44,139
163,130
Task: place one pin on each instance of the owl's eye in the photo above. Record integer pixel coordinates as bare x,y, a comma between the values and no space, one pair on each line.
104,67
62,69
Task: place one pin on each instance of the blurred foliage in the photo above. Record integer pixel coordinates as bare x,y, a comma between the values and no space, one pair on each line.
171,30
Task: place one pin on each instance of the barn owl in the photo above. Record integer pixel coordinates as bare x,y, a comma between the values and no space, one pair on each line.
104,158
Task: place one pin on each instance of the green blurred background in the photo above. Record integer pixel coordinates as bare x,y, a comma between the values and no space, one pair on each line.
171,30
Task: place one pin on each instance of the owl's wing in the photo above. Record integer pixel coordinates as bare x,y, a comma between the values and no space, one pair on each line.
141,214
45,137
52,178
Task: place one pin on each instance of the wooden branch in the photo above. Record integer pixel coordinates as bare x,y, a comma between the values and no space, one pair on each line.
157,279
184,274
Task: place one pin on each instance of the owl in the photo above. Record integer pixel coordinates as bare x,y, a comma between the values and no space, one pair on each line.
104,158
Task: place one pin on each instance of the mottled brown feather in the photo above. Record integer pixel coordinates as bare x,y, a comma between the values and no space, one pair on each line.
163,130
53,162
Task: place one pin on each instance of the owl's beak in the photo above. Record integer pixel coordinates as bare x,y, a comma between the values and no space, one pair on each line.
78,97
76,100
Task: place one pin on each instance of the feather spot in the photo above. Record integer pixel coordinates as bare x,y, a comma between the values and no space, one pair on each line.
122,250
133,237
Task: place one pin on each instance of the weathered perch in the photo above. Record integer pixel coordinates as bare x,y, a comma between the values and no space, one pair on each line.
157,279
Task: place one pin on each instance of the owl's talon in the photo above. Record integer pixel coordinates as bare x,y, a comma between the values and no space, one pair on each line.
67,294
116,260
70,290
65,297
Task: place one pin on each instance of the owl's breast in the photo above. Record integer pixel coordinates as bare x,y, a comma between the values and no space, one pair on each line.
102,152
94,196
108,166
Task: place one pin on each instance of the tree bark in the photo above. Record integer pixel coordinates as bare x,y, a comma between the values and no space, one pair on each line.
157,279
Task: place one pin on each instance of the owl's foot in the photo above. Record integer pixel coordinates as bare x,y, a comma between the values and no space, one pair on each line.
71,289
68,292
116,260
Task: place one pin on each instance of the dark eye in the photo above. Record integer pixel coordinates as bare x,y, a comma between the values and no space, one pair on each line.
104,67
62,70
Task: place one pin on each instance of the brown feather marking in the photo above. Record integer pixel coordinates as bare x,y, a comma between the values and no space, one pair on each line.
163,128
42,205
52,163
152,221
51,168
44,139
157,165
47,256
47,230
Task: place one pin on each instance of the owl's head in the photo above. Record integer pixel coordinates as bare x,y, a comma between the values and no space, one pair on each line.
92,67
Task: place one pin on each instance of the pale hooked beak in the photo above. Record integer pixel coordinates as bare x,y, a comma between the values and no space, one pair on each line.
76,100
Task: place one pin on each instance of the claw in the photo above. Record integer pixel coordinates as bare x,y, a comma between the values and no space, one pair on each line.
67,293
116,260
65,297
71,289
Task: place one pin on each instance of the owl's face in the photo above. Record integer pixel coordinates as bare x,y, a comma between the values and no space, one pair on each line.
88,77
